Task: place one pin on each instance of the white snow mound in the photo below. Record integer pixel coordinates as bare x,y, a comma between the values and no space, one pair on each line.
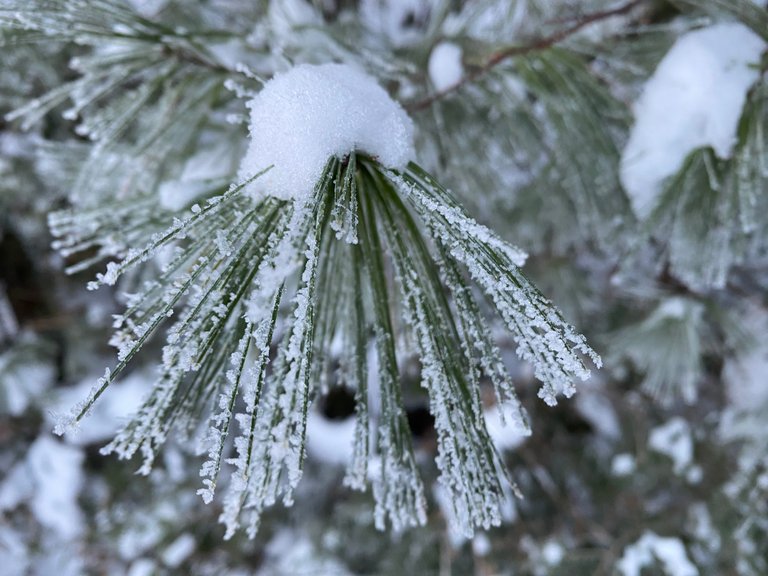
306,115
693,99
445,67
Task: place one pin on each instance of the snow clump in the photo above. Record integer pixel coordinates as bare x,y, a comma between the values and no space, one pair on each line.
306,115
693,99
445,67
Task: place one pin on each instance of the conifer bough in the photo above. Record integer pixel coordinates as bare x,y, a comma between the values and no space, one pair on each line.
333,234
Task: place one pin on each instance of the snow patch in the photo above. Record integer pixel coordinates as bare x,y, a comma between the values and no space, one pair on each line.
445,67
22,380
286,16
543,557
179,550
49,479
674,308
552,553
330,441
702,527
673,439
693,99
745,373
143,567
291,552
9,326
305,116
481,545
14,550
623,465
401,22
58,477
110,413
209,168
148,8
652,548
598,410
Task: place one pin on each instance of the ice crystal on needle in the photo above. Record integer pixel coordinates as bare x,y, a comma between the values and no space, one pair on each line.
329,225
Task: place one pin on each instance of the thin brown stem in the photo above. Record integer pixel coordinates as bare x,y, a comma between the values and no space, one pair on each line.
539,44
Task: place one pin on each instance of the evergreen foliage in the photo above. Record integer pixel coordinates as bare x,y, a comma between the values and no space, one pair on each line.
242,316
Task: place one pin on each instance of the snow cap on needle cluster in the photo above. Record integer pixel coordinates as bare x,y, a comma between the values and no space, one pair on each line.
694,98
306,115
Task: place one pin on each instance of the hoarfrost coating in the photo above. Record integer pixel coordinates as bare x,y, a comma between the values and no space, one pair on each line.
693,99
303,117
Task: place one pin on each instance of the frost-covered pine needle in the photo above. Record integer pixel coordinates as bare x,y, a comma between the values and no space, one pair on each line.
259,287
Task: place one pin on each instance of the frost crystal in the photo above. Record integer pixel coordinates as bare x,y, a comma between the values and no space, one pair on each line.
311,113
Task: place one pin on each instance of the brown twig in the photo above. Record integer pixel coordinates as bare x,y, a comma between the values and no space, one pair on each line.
540,44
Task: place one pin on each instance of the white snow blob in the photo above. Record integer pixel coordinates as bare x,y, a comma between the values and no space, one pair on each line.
306,115
693,99
445,67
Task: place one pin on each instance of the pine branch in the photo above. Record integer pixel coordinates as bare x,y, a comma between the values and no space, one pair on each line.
538,45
